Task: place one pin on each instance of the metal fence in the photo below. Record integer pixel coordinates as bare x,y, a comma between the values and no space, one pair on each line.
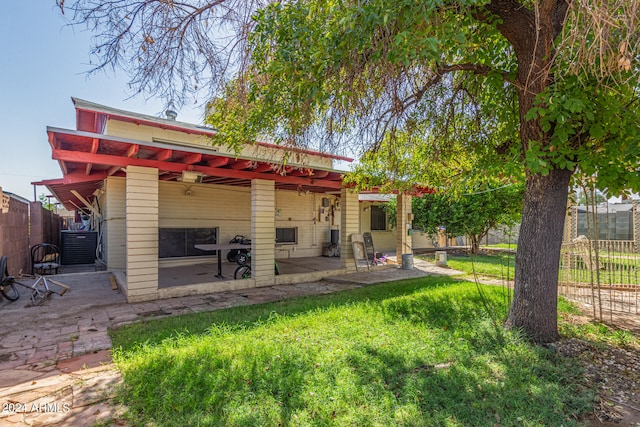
604,274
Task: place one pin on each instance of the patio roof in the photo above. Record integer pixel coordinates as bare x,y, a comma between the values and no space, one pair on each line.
87,157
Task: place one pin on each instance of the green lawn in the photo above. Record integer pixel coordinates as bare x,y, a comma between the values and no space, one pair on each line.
417,352
512,246
485,265
616,270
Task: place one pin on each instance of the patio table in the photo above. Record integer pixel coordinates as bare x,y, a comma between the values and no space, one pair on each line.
219,247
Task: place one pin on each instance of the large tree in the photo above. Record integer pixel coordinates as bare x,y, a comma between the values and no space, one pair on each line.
532,87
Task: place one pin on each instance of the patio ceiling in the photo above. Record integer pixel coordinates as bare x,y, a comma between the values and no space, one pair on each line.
87,158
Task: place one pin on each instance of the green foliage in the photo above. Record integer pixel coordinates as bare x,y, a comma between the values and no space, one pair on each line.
472,214
341,62
415,352
427,92
46,202
594,126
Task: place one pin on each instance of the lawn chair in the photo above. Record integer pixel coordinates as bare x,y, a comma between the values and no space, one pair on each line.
374,258
359,252
45,259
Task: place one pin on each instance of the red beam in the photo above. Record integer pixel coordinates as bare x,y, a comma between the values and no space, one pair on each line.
95,144
263,167
302,172
132,150
63,168
333,176
167,176
218,161
192,158
53,141
164,155
73,178
320,174
241,164
109,160
113,170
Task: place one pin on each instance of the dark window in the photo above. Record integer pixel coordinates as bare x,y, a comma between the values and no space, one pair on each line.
180,242
378,218
286,235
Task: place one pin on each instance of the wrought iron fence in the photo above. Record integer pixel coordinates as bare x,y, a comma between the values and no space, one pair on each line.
604,274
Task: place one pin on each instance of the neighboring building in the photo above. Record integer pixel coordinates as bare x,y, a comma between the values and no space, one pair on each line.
154,187
615,221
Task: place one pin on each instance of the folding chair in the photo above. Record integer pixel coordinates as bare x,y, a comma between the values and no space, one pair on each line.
374,258
359,251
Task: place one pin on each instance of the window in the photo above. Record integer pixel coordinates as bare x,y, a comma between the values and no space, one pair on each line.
180,242
378,218
287,236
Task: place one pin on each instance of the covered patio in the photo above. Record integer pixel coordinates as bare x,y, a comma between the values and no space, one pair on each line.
155,188
206,272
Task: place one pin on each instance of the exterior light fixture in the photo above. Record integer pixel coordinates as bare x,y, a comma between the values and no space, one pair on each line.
192,177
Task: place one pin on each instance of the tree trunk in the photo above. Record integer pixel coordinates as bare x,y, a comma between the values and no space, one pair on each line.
535,300
475,243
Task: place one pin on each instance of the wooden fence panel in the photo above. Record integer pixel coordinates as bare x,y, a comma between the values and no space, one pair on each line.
14,233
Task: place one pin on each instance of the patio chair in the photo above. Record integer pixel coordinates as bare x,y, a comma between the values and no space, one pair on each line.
45,259
374,258
359,251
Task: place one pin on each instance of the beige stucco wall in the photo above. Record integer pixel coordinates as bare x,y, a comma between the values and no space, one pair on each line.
225,207
200,206
385,241
142,233
114,222
314,222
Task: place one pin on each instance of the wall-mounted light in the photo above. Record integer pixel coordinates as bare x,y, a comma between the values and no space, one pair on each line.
192,177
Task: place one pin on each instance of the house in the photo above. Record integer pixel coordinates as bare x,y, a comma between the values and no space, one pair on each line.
152,188
374,219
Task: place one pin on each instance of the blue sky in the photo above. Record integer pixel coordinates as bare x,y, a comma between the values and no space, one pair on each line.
44,64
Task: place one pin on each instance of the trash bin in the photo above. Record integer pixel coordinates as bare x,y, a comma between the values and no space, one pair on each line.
441,258
335,236
407,261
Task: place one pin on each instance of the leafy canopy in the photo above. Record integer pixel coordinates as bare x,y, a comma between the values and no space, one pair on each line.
427,91
472,214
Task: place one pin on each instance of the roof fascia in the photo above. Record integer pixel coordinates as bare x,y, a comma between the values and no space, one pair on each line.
144,119
169,146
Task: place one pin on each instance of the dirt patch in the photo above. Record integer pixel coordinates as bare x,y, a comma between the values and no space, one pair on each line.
615,375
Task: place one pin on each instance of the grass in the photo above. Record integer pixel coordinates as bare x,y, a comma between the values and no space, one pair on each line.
512,246
426,351
500,265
